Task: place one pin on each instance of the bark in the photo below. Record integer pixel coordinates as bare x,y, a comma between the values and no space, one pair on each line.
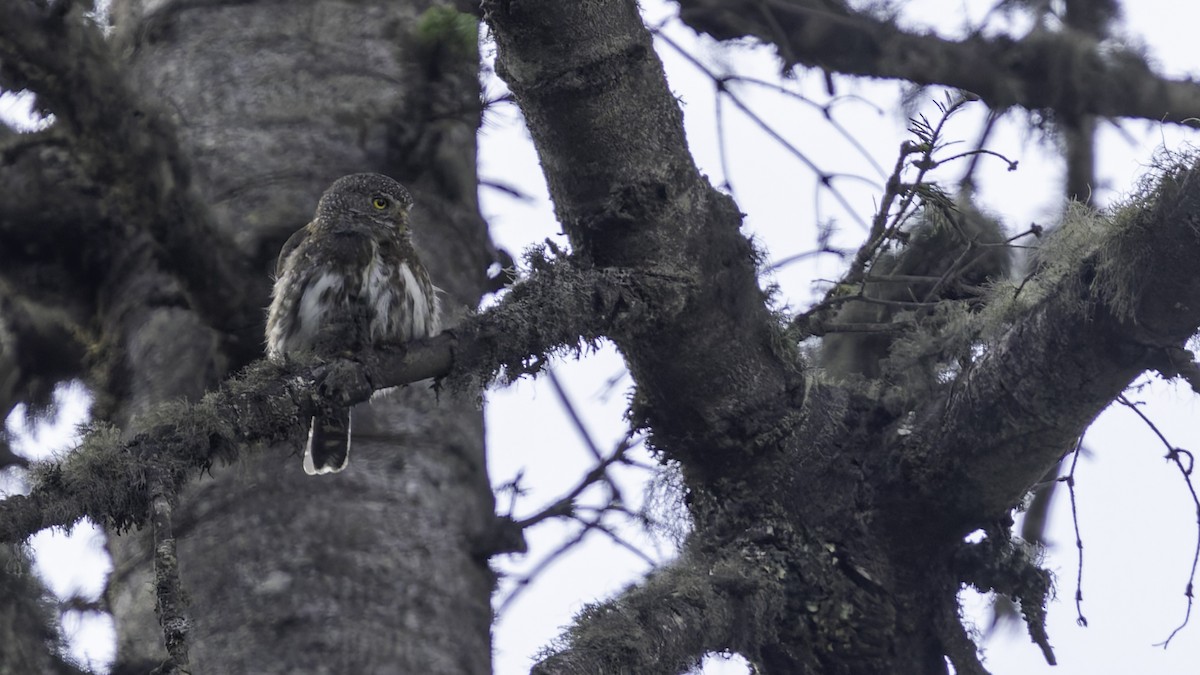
717,383
122,140
841,508
376,571
208,130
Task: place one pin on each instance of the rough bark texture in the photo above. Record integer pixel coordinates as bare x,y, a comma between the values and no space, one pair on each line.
828,520
373,572
844,514
201,135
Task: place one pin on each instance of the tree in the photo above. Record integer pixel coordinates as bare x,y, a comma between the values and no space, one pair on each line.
827,518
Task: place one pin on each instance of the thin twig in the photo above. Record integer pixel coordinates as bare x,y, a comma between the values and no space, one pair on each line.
797,257
510,190
722,151
968,178
823,178
521,584
826,112
620,541
565,507
1069,479
826,109
1176,455
569,407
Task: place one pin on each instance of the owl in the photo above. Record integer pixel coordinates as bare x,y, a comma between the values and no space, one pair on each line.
351,276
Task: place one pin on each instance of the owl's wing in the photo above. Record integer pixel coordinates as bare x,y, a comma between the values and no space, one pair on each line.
290,245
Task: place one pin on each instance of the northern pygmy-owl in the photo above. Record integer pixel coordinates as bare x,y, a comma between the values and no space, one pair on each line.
350,275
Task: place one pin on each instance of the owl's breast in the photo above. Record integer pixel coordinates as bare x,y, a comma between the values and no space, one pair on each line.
295,318
401,300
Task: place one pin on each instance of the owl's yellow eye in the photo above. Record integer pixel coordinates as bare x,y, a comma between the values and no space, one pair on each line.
379,203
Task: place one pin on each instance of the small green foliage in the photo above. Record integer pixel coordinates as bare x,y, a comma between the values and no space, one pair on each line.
1125,259
444,30
1103,256
1064,251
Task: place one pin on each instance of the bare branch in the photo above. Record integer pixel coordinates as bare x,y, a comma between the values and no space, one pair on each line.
1043,70
824,178
1069,479
565,506
573,414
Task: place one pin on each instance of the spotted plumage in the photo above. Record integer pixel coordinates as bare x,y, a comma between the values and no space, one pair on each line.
349,276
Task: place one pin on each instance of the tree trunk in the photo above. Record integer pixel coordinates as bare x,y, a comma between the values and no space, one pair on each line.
377,569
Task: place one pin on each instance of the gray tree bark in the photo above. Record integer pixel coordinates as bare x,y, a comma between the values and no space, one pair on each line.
259,106
376,571
829,523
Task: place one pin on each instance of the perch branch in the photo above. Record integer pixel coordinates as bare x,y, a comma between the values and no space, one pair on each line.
109,479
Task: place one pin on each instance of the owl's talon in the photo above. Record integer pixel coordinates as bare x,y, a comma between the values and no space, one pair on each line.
342,382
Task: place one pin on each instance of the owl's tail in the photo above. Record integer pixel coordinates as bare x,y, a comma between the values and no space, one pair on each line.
328,449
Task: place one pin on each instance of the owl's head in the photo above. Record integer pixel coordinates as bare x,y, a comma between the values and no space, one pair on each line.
369,196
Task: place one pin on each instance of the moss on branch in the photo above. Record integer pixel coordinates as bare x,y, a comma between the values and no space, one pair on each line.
671,620
107,476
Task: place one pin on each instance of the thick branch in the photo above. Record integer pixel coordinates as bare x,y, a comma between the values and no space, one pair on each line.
609,133
669,622
718,384
1044,70
1134,294
109,480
